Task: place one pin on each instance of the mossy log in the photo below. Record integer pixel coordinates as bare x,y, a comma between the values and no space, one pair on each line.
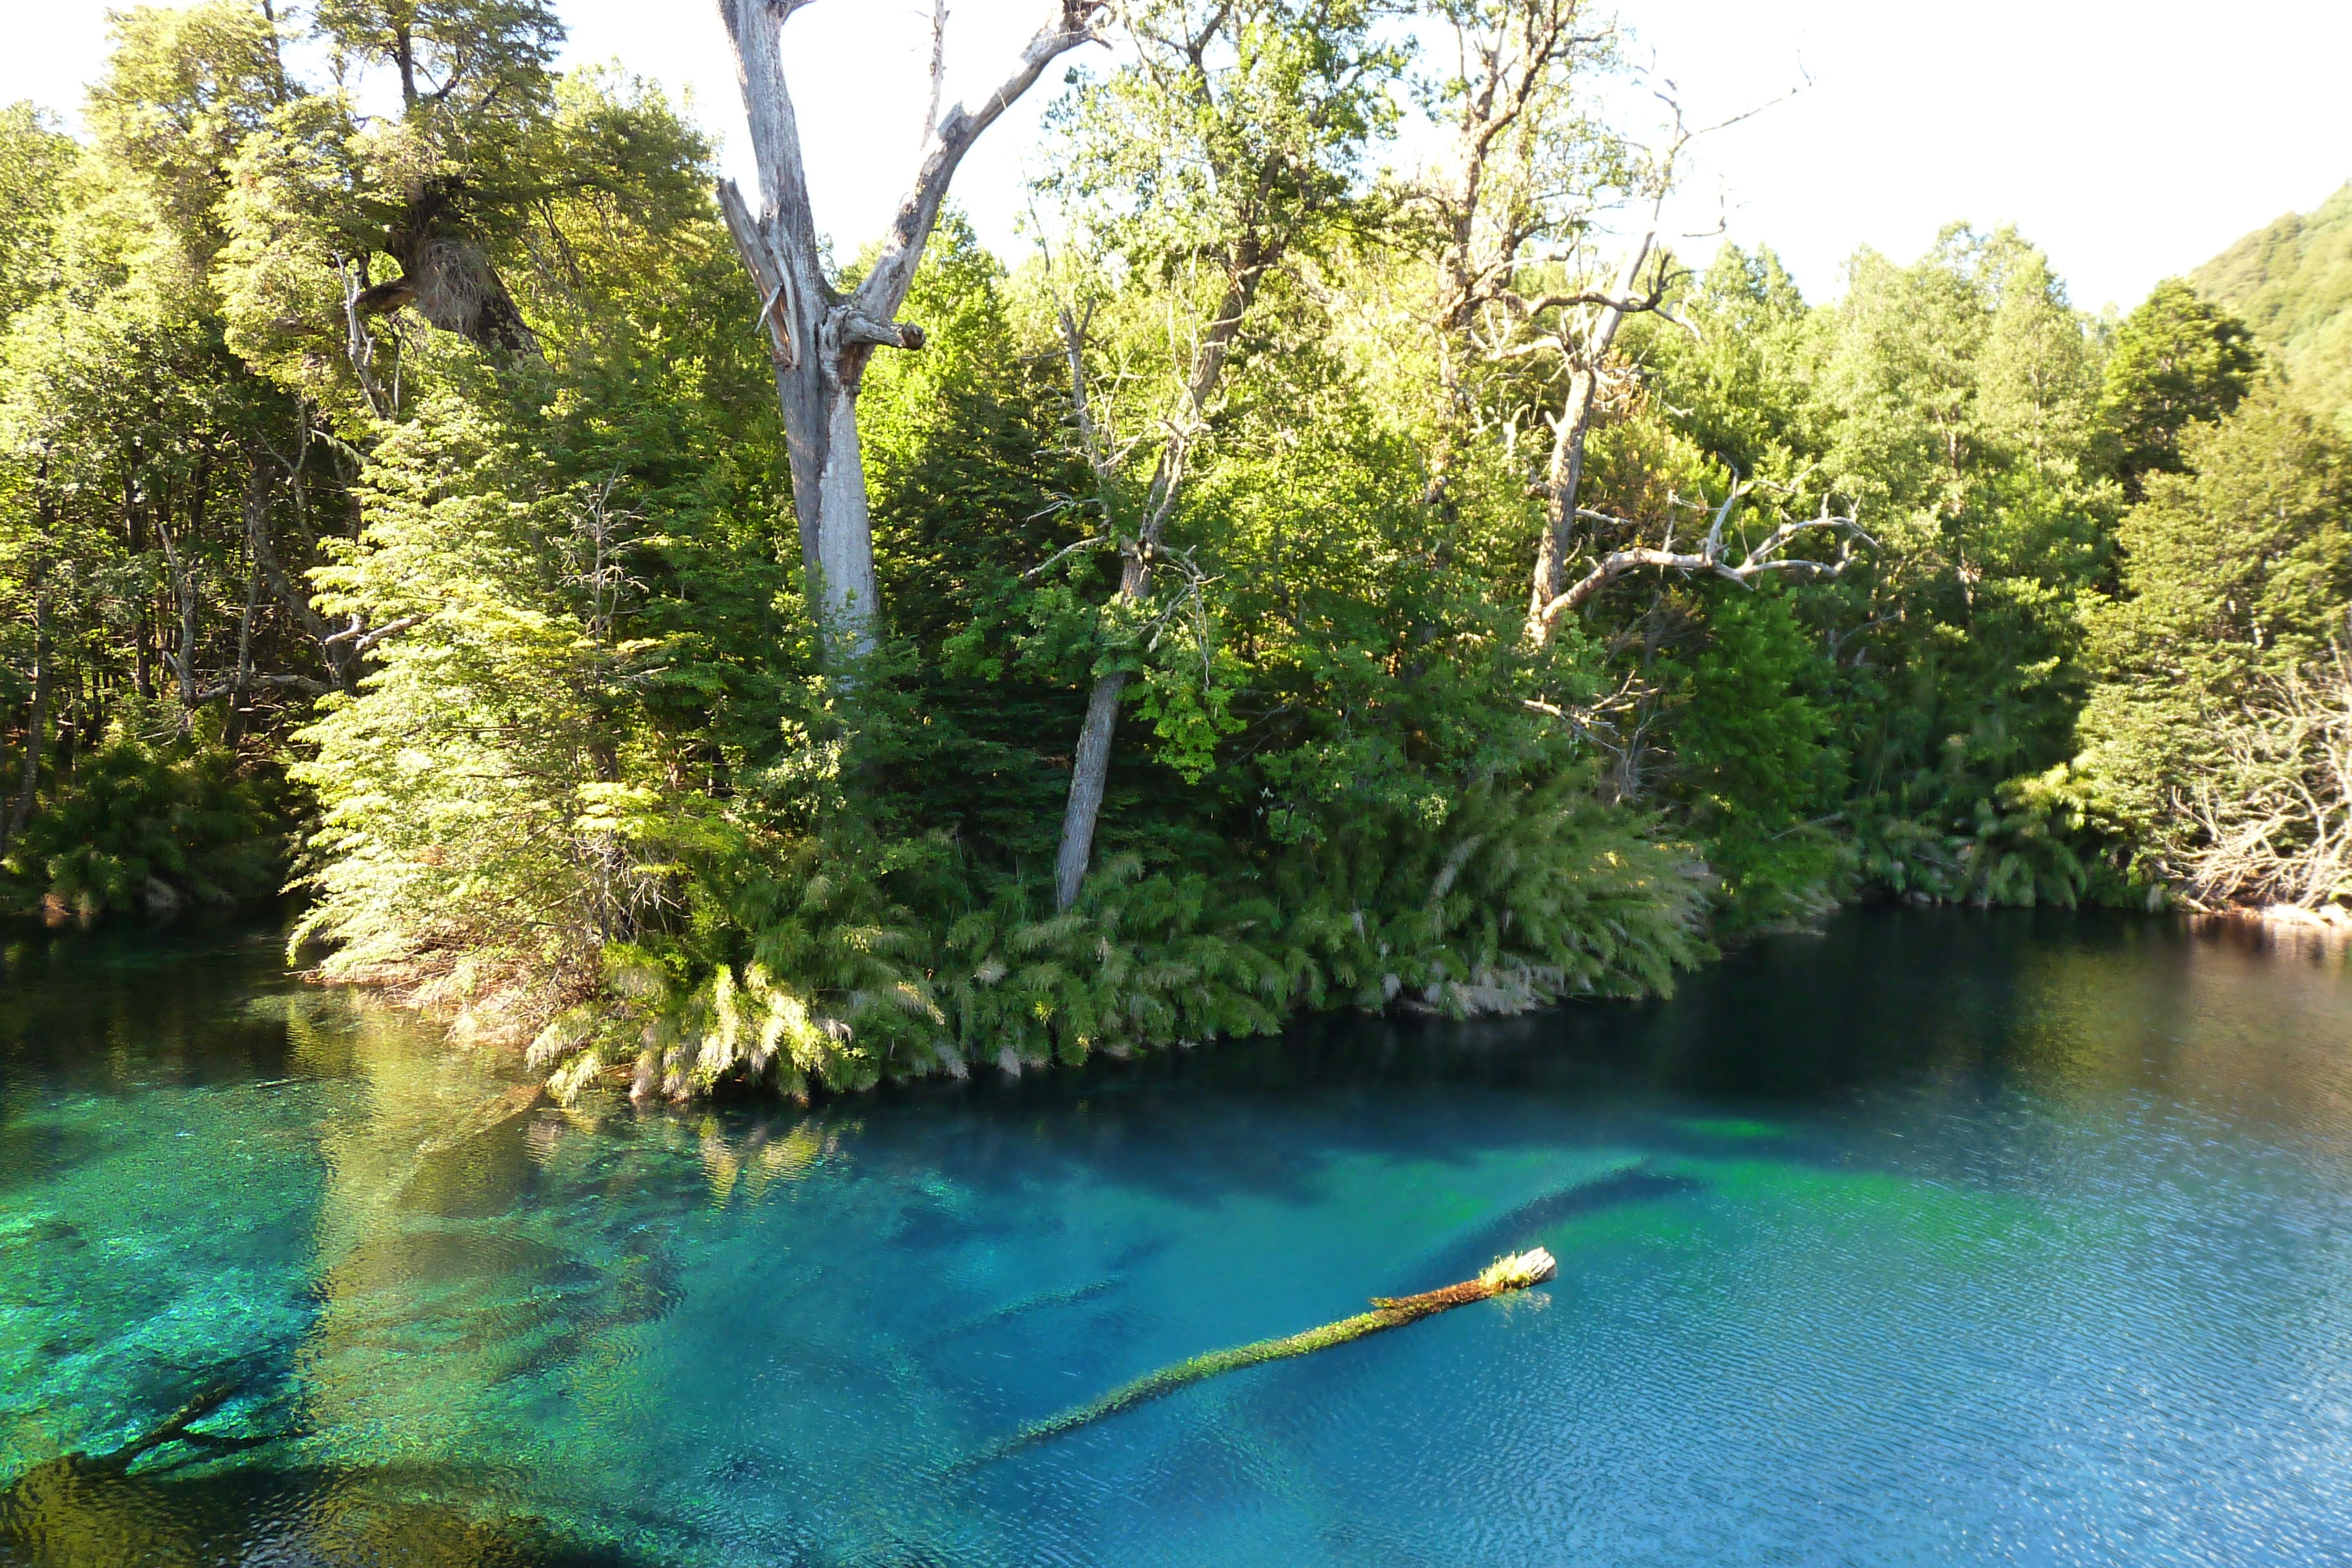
1515,1272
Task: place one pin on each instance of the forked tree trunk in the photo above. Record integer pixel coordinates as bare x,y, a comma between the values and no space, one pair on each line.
819,339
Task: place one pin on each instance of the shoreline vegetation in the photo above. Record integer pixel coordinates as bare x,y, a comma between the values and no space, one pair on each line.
1351,560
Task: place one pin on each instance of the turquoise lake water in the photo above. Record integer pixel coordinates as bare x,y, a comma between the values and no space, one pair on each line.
1939,1237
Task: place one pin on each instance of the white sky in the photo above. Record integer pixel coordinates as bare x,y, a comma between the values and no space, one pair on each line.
2131,139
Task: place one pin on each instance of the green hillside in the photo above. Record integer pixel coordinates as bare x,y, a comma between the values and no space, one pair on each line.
2292,281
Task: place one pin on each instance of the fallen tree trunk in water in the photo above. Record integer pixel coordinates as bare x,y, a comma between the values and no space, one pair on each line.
1504,1275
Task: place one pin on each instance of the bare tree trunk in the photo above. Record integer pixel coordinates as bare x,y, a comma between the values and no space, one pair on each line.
142,621
29,779
256,505
1089,776
819,340
1090,766
184,597
1564,476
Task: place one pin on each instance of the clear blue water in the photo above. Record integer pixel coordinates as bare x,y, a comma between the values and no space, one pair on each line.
1941,1237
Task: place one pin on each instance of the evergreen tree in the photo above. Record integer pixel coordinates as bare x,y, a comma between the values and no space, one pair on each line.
2177,361
2238,568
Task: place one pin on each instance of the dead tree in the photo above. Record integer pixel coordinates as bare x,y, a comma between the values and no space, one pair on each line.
1513,204
820,339
1518,199
1714,554
2265,820
1516,67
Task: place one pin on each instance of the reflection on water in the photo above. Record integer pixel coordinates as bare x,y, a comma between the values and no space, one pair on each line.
1940,1238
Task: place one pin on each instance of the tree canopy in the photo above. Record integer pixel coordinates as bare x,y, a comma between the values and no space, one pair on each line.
2291,283
409,471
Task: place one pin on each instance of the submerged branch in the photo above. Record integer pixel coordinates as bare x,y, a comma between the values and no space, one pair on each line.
1515,1272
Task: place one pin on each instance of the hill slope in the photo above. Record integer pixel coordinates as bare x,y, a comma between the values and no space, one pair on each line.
2293,283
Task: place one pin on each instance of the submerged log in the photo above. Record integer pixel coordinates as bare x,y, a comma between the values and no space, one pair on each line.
173,1428
1515,1272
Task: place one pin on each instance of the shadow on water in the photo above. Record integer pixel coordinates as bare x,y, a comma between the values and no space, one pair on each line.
1525,1225
1881,999
125,1006
139,1505
1918,994
73,1513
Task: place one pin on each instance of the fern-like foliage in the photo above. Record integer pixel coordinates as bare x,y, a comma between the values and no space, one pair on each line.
149,825
790,967
1519,897
1140,960
2025,844
797,967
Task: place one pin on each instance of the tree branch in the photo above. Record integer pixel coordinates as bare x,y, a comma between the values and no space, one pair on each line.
768,270
1711,556
939,70
859,327
885,287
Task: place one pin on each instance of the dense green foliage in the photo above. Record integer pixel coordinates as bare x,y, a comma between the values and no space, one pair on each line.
2237,574
2292,282
150,827
420,473
2177,362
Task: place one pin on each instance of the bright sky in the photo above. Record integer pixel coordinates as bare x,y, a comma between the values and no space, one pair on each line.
2131,139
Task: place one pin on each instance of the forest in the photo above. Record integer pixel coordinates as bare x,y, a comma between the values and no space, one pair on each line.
1355,557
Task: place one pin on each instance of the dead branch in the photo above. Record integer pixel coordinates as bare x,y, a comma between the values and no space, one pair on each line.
938,70
2270,813
819,340
1713,556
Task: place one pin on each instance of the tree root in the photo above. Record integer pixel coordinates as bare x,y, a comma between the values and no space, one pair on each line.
1515,1272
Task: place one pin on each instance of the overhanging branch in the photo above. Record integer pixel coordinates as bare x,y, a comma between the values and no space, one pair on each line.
1712,556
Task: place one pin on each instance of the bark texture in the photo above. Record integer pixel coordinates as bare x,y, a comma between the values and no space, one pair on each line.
447,279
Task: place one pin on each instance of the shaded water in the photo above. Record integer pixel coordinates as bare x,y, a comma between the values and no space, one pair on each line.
1941,1237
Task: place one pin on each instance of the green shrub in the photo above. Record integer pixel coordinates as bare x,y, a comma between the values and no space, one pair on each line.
804,964
141,825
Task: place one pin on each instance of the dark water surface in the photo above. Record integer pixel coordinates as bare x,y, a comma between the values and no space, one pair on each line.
1939,1239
